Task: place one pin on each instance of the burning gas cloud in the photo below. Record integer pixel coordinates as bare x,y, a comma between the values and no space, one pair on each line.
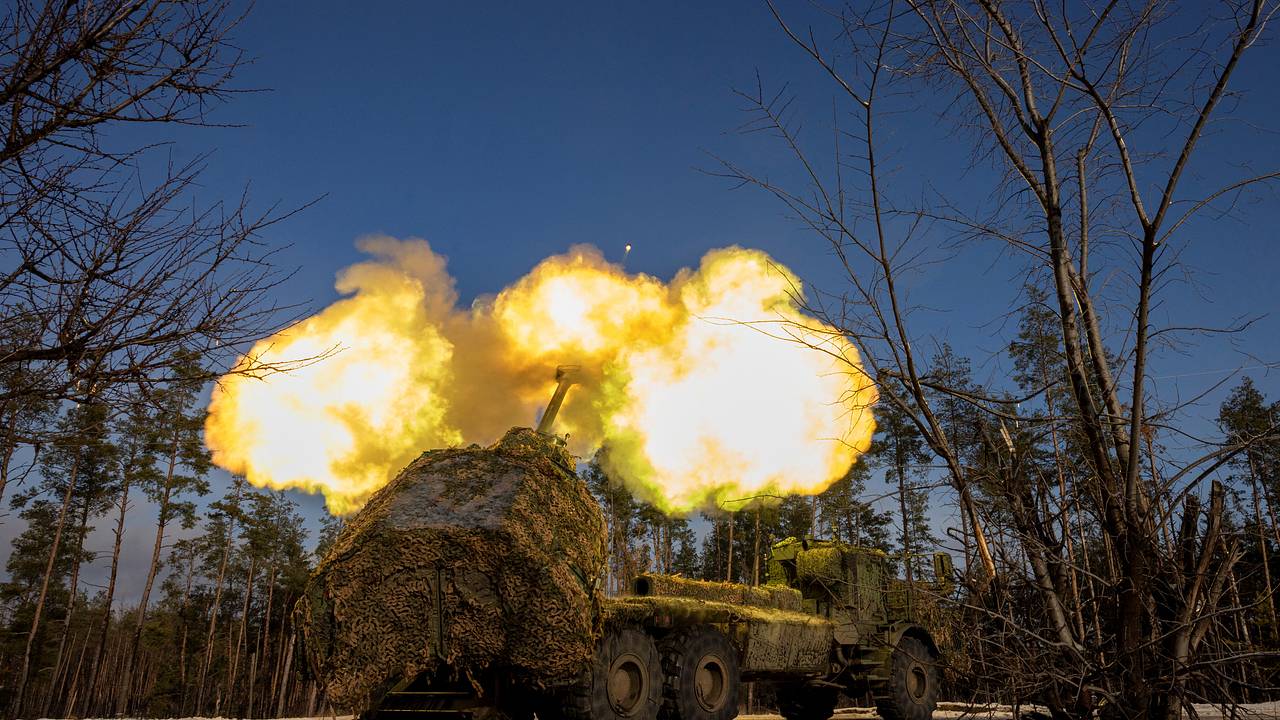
708,389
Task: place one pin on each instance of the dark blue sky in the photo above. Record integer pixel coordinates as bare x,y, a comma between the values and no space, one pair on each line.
506,132
501,133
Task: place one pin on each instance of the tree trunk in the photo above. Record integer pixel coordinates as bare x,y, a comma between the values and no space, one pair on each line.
284,682
59,689
6,458
23,674
234,671
162,520
1241,627
253,671
263,643
728,575
656,536
95,666
715,535
755,558
979,535
1065,504
906,522
614,564
813,517
73,693
1263,552
182,645
279,652
217,600
670,548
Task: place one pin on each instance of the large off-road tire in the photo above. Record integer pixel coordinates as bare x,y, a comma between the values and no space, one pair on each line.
800,702
624,682
702,679
912,692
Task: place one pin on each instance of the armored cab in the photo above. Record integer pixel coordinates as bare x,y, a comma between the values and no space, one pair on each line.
880,624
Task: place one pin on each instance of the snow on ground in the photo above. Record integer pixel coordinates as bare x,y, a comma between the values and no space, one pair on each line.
960,711
945,711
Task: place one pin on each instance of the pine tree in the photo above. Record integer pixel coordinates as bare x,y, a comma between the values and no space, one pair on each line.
136,444
714,555
183,463
795,517
1038,360
687,561
27,567
1246,418
851,519
957,411
217,549
1041,372
271,548
78,469
182,609
900,450
24,417
330,527
620,510
97,485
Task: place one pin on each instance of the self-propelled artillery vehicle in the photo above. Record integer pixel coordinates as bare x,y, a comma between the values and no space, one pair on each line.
470,587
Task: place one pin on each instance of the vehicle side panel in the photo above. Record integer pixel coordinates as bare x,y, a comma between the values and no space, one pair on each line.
768,640
786,647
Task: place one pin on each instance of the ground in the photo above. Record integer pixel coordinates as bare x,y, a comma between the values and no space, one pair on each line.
956,711
947,711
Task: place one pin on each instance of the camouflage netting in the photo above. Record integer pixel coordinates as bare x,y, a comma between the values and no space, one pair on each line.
766,596
504,543
928,608
767,639
824,565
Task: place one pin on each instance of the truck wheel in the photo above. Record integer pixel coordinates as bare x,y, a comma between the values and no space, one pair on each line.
624,682
912,693
801,702
702,678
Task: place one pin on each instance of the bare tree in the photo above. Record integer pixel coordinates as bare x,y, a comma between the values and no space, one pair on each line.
111,270
1092,116
102,273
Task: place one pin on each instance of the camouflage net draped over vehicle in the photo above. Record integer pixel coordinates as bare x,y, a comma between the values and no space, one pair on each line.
779,597
463,545
767,639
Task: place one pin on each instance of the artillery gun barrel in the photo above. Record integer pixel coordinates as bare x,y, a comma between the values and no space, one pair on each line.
566,376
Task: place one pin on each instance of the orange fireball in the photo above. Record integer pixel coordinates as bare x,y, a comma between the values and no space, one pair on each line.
712,387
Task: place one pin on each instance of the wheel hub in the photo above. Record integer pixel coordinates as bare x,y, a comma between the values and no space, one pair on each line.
711,683
627,684
917,683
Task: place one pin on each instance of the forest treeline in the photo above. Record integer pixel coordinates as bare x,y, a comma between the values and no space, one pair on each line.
122,295
209,630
